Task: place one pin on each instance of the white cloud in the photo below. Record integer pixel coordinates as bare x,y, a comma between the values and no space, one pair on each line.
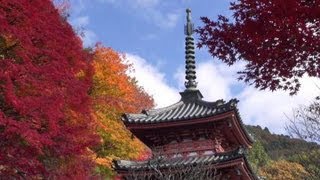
164,20
80,21
133,3
88,37
151,10
264,108
212,81
270,109
153,81
216,81
145,3
77,6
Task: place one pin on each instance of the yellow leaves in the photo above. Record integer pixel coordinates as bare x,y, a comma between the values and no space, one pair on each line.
107,161
109,77
81,74
111,81
123,145
283,170
113,94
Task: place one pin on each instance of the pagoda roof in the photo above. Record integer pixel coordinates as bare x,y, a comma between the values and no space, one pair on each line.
191,106
221,160
178,161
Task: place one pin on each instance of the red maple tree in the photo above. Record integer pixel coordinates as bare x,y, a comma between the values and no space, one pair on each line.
45,119
278,39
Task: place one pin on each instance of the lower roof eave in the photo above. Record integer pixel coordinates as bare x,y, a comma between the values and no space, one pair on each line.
240,163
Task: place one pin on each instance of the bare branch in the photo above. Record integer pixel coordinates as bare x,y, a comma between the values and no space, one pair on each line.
305,123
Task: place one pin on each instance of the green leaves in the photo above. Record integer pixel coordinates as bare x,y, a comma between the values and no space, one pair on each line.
258,156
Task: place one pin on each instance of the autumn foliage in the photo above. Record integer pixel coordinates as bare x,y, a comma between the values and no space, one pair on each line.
278,39
283,170
45,119
113,94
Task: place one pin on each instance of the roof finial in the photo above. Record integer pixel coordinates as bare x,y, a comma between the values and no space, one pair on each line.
191,83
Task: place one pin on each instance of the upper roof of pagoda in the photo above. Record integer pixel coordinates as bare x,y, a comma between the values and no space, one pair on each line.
191,106
191,109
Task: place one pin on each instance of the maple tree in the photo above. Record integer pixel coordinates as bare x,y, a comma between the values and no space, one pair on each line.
113,94
46,124
278,39
310,160
283,170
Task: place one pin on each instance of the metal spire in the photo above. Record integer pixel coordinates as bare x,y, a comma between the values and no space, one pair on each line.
190,82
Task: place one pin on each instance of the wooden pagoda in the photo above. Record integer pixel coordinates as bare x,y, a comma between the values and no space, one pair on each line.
189,134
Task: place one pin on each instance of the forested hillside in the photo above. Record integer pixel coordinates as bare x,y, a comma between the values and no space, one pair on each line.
61,104
280,146
275,156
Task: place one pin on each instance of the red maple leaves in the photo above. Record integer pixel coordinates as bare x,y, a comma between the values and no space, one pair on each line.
45,120
279,40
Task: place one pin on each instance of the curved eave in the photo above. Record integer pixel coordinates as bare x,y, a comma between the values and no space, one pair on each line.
237,125
248,169
140,126
186,108
241,163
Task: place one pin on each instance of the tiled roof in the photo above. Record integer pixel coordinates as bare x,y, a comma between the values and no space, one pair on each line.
190,106
179,161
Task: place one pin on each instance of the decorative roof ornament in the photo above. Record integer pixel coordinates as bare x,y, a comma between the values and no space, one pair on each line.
190,82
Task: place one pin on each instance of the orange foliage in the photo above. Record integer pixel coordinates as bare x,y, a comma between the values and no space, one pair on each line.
115,93
111,82
283,170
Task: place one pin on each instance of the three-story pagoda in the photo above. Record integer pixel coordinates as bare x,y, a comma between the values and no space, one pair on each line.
191,133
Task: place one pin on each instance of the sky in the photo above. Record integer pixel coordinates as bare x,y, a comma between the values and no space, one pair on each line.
151,34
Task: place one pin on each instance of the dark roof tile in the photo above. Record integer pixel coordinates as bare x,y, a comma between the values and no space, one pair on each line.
182,110
191,106
180,161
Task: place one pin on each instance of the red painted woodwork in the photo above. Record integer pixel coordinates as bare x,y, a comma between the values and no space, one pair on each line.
216,134
221,133
226,123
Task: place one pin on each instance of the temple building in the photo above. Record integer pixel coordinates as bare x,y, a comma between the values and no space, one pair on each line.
191,139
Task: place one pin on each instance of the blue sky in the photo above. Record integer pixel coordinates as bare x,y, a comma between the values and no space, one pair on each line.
150,28
150,33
